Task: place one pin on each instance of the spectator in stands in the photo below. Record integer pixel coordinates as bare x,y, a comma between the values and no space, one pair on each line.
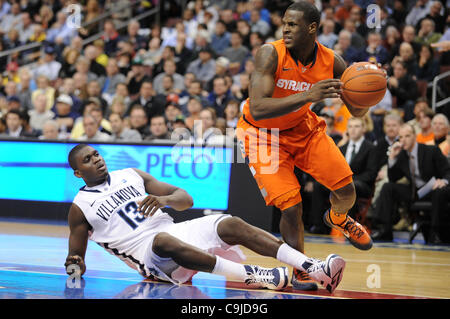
418,163
153,54
92,132
357,40
14,127
404,88
236,53
92,106
139,120
83,66
194,90
111,37
170,69
425,134
172,111
328,38
361,25
419,11
93,10
11,20
232,113
420,106
138,41
120,132
43,86
378,112
204,131
113,77
243,27
220,96
24,88
220,40
118,106
345,49
427,65
227,17
183,54
240,91
48,66
61,32
204,67
121,95
68,68
374,49
91,53
136,77
158,129
435,15
343,12
391,127
359,153
276,21
25,29
94,89
335,135
257,24
14,103
440,126
64,114
5,7
391,39
152,102
409,36
50,130
426,34
68,87
194,107
39,114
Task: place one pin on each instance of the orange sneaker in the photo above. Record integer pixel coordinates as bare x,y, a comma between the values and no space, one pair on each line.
302,281
354,231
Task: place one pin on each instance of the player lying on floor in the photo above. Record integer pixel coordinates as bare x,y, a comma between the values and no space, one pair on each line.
121,211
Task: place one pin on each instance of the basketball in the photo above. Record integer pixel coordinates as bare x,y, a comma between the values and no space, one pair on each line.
364,84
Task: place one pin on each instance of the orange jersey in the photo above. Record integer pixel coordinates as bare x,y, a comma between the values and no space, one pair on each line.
291,78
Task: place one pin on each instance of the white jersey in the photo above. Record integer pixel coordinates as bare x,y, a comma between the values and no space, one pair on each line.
111,210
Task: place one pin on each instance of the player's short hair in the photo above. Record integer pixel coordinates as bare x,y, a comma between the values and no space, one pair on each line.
73,153
310,12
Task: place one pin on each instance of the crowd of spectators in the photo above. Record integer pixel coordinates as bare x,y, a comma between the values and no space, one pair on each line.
185,77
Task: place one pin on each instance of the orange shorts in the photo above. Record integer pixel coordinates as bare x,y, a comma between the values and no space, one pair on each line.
272,155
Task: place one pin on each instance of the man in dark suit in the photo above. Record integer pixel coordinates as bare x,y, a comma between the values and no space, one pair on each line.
419,164
152,102
360,154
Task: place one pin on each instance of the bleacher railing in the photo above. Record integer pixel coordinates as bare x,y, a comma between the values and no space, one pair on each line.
434,103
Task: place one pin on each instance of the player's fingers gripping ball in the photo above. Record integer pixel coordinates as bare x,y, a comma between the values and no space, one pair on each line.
364,84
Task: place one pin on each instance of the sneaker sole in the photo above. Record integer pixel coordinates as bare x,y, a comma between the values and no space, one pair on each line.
335,269
285,275
305,286
354,243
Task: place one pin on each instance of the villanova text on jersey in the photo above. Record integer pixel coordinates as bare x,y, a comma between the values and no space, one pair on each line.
107,207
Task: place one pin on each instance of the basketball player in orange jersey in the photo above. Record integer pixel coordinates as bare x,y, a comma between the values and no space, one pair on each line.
289,75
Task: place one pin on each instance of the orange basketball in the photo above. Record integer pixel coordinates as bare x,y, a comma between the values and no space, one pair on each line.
364,84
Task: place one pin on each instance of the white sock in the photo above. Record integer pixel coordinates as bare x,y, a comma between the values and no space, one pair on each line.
291,256
229,269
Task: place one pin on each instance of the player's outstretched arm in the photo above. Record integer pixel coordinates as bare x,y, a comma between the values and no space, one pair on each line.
79,232
262,84
339,68
162,194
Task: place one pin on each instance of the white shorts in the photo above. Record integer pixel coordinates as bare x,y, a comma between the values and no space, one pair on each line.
201,233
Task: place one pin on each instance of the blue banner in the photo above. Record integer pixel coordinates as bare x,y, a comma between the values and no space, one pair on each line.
39,171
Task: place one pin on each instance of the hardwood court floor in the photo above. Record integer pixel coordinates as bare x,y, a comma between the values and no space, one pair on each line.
388,270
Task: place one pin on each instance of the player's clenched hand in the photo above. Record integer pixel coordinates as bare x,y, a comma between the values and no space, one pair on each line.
75,260
150,205
330,88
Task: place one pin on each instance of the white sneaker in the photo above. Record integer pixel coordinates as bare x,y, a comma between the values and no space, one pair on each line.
328,273
271,278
